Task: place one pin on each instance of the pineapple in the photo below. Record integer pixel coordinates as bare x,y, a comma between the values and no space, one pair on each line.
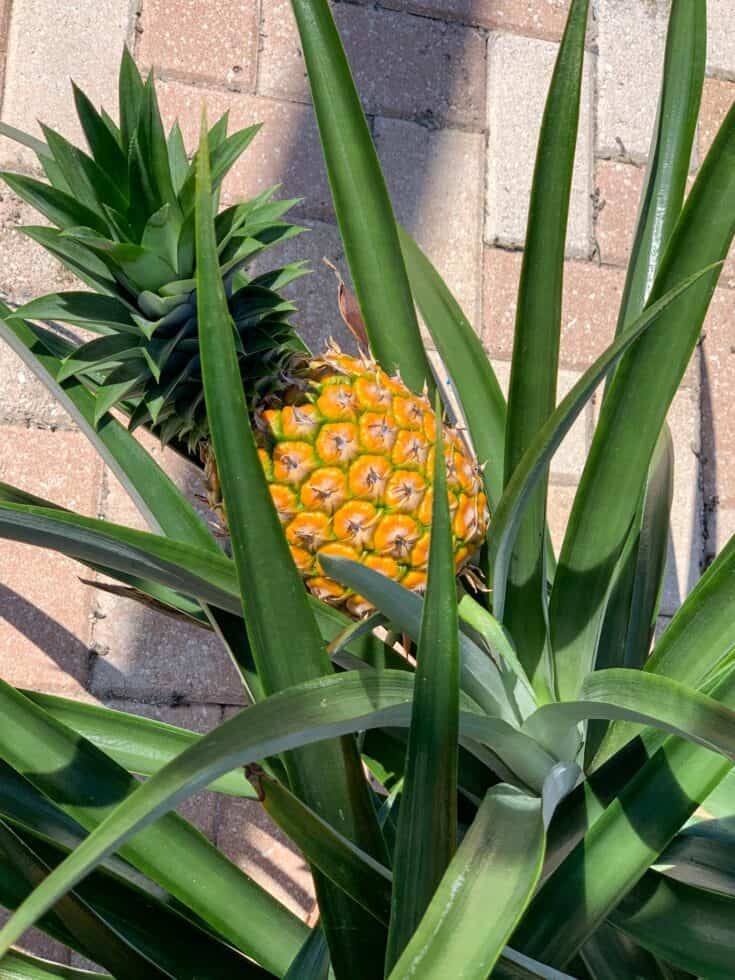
346,449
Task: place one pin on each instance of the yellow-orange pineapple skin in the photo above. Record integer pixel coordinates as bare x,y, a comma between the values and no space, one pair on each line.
350,466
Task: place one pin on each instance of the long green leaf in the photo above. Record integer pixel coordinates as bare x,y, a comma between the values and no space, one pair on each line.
148,919
153,492
320,709
426,838
140,745
632,611
368,231
610,955
277,614
632,415
645,698
693,929
702,856
634,829
22,966
533,376
93,934
509,512
88,786
721,801
483,893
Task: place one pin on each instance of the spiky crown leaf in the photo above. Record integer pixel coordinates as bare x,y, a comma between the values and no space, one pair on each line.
123,218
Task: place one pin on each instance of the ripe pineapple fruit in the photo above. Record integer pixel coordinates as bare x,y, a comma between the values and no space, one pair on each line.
346,449
349,461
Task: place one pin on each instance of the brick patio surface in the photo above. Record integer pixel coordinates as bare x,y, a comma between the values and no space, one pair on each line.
454,91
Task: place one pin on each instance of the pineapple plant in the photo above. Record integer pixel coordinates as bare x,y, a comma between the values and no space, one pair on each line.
563,811
347,448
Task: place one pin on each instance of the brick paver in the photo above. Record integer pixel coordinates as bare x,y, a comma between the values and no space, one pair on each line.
519,70
286,151
436,179
44,609
535,18
407,66
721,38
631,41
211,39
48,41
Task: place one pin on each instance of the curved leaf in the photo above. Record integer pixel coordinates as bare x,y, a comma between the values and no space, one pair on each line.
633,414
314,711
693,929
645,698
483,893
509,512
702,856
22,966
140,745
472,376
480,677
87,786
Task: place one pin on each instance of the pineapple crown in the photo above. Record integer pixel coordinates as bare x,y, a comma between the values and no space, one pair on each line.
122,221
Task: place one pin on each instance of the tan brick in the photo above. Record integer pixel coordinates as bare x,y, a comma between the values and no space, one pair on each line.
686,541
619,188
249,837
631,38
213,39
720,527
558,508
519,71
535,18
146,655
45,621
201,809
436,180
286,151
569,459
404,66
49,43
26,269
717,99
718,400
591,299
720,37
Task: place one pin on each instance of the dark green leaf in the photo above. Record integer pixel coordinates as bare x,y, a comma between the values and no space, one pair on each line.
329,779
426,838
533,376
633,414
369,231
693,929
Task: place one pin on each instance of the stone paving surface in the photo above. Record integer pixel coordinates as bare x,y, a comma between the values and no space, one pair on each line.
454,91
